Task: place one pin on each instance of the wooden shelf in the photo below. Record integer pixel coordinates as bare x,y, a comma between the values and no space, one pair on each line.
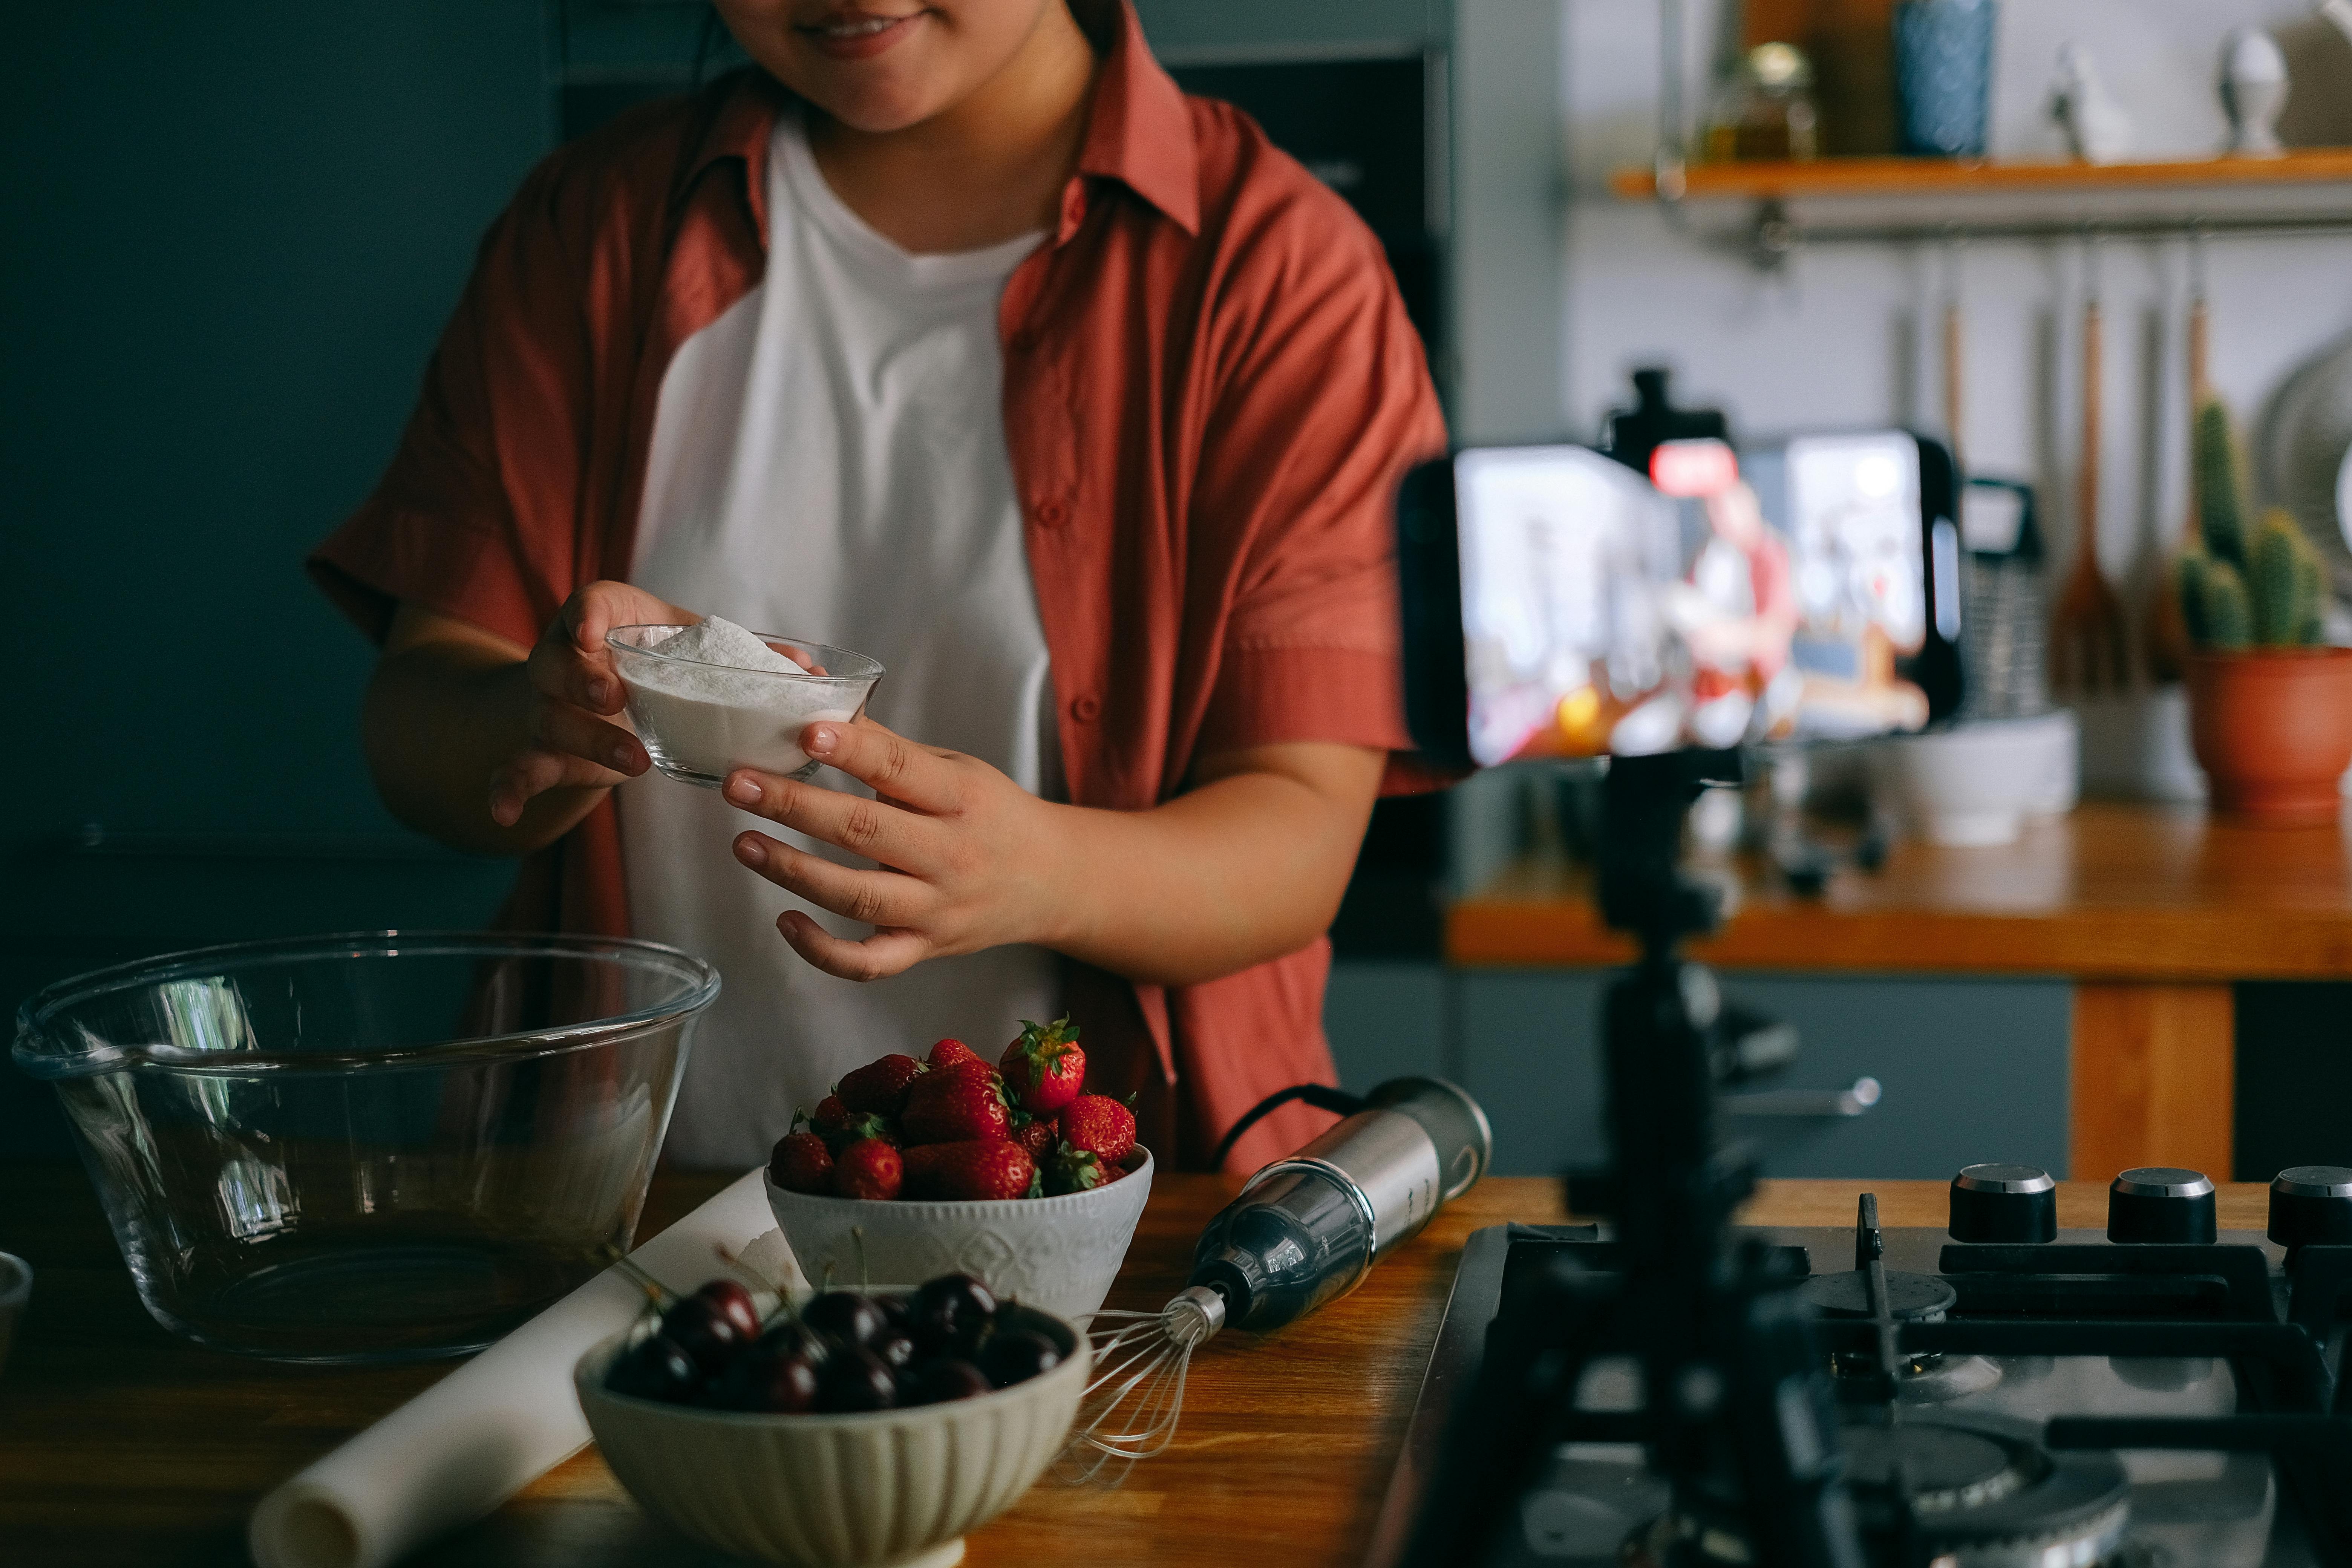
1838,177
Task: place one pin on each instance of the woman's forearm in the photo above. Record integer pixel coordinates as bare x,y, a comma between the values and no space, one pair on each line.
446,708
1247,866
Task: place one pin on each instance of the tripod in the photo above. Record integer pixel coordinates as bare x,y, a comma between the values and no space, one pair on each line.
1736,1411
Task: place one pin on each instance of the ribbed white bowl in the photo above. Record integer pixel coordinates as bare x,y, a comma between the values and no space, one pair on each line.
1059,1254
891,1488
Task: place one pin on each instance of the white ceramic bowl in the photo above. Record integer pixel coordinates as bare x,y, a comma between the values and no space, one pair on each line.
1977,782
895,1488
1059,1254
15,1289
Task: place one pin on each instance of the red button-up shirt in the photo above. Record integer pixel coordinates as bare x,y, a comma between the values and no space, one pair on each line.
1210,391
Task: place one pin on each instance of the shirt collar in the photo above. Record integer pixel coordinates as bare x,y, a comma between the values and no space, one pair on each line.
1139,132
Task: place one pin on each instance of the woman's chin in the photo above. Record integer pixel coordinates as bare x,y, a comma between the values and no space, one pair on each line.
877,107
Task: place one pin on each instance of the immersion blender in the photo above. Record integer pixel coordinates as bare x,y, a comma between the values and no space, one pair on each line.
1304,1229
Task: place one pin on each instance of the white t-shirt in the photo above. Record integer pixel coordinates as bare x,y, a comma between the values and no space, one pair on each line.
828,462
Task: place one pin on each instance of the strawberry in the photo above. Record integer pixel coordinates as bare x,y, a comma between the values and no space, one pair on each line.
970,1169
1040,1135
801,1163
1043,1068
1099,1125
880,1086
869,1168
1068,1170
956,1106
832,1118
841,1127
948,1052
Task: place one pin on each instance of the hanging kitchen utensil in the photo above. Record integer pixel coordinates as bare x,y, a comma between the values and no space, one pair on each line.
2090,652
1953,343
2164,631
1304,1230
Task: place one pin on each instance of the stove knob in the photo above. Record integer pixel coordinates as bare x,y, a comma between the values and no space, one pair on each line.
2311,1203
2160,1204
2004,1204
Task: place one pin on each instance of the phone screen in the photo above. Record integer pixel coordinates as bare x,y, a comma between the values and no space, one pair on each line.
1786,592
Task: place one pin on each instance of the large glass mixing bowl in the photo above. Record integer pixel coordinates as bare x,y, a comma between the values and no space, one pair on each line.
369,1148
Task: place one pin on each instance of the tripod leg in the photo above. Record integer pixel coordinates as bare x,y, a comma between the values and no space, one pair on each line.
1504,1426
1785,1420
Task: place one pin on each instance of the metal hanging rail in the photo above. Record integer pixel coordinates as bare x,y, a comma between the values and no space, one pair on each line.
1774,237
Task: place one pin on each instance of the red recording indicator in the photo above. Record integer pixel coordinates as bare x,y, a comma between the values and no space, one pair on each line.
1694,467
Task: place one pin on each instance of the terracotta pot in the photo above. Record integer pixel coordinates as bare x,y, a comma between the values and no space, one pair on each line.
2273,730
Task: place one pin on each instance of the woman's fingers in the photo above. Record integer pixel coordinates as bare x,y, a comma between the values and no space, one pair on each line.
561,672
871,828
572,663
534,773
600,607
884,954
870,898
889,763
559,727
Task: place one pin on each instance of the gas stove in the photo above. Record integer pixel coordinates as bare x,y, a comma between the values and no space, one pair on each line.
2161,1395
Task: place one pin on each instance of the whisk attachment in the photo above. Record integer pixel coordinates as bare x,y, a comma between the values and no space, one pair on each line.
1135,1391
1304,1229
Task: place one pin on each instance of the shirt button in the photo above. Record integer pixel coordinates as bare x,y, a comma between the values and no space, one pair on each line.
1052,514
1086,709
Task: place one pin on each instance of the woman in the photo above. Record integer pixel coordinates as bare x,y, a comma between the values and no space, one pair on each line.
953,333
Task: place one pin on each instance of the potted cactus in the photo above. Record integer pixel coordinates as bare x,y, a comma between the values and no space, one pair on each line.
2270,708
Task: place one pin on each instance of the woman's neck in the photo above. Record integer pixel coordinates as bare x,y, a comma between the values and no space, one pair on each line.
988,170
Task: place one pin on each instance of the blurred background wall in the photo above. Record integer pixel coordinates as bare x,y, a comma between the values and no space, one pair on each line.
1850,335
232,233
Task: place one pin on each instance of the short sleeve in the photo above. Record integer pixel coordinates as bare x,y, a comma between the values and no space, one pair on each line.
1324,400
475,516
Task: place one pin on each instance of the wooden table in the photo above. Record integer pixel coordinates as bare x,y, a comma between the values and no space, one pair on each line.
2152,912
122,1444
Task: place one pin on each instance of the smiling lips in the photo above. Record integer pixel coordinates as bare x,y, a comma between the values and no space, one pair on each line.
856,34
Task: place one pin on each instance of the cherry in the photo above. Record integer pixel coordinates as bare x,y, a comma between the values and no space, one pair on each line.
1015,1356
791,1387
735,1304
704,1332
843,1315
952,1314
793,1337
856,1378
655,1368
945,1378
895,1346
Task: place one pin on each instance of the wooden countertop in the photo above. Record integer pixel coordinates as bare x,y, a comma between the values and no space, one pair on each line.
120,1443
2114,891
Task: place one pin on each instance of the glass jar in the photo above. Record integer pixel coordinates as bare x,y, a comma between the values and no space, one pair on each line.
1765,112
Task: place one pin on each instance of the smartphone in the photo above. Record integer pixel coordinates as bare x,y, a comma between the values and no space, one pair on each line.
1558,604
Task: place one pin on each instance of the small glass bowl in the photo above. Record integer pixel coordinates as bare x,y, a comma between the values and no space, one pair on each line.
699,720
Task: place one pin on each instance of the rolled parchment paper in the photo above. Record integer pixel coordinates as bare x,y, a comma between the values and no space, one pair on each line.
504,1418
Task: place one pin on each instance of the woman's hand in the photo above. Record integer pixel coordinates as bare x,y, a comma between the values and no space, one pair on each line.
1246,864
572,692
966,855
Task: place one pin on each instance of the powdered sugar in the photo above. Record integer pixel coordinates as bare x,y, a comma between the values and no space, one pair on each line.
720,641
